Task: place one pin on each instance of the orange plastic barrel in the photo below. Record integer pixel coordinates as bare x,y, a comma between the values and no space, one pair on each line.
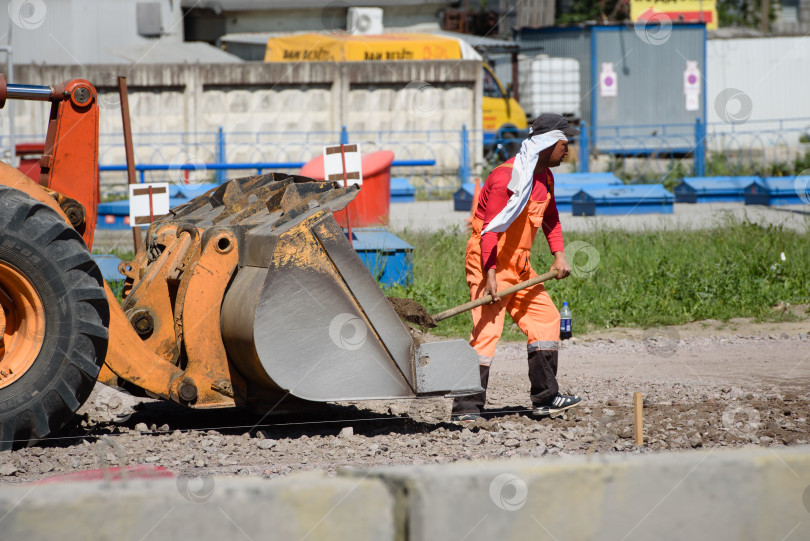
372,204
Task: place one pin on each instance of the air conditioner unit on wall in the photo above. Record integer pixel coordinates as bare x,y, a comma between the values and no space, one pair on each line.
365,21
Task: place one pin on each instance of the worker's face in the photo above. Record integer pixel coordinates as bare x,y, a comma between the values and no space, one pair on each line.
559,153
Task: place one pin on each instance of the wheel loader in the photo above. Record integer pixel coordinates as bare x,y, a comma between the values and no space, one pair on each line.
249,295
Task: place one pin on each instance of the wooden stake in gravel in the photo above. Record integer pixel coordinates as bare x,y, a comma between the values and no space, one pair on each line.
638,419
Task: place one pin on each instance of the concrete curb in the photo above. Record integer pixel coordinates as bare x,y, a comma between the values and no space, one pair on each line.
713,494
304,506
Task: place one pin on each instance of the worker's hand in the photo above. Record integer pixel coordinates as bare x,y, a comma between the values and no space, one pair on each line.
561,265
491,287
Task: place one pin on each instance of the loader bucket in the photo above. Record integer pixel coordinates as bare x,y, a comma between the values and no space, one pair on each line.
302,314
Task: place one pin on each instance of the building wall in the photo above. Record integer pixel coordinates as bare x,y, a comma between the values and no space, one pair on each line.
79,31
303,16
773,72
284,112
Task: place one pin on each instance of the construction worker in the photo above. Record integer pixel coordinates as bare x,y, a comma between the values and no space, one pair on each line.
515,202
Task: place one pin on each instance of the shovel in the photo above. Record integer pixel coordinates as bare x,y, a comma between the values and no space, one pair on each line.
414,312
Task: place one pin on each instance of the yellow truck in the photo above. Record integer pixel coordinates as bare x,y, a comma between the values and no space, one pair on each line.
502,115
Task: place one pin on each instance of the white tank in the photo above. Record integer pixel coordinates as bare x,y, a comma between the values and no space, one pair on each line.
549,85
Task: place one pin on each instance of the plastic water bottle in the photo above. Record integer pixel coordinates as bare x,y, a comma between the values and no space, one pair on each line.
565,322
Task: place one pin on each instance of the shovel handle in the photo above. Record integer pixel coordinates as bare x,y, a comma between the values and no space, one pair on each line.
488,299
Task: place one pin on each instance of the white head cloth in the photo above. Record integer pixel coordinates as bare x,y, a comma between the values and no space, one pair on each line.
522,175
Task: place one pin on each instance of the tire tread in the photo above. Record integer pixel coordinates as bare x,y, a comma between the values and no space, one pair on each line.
81,288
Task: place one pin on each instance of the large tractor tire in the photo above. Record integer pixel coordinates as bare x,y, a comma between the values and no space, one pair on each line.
54,320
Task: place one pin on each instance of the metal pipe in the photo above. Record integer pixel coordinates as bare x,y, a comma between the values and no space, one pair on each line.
28,92
130,154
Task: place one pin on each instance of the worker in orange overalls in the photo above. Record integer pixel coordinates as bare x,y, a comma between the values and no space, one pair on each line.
515,202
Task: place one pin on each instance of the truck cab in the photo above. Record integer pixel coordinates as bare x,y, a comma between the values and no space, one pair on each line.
502,114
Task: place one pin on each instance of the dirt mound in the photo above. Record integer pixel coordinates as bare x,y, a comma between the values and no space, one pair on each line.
412,311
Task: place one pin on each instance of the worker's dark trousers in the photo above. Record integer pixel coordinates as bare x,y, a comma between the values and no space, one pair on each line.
474,403
542,376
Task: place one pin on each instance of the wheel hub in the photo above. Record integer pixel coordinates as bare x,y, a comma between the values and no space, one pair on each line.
22,324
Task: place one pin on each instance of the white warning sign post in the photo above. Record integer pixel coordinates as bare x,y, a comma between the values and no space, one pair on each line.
691,85
342,163
340,159
608,82
148,202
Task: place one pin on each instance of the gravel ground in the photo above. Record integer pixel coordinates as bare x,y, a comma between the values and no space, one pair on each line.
725,390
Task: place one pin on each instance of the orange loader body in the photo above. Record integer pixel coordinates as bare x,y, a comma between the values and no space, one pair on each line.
197,324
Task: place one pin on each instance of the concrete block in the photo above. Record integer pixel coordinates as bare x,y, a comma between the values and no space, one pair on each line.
306,506
712,495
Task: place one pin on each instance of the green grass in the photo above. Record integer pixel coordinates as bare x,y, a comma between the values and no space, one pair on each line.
642,279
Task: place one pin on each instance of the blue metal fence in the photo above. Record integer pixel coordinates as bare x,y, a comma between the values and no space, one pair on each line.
443,159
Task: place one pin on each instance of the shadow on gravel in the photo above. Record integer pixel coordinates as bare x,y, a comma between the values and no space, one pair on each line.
508,412
317,420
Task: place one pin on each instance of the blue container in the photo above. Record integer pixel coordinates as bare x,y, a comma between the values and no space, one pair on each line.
712,189
564,194
108,265
388,258
618,200
774,191
402,191
463,198
587,179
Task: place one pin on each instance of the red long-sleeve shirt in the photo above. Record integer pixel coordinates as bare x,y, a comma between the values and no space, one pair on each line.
492,200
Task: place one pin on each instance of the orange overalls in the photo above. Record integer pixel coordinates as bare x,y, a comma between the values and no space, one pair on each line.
532,309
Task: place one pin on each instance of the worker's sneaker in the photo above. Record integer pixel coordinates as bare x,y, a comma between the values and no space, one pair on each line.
464,417
560,403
